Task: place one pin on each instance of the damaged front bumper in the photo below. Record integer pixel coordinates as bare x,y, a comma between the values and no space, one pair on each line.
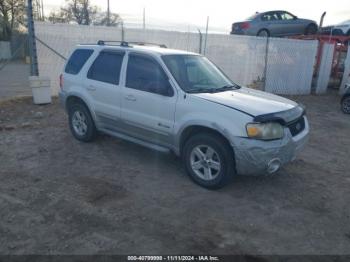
258,157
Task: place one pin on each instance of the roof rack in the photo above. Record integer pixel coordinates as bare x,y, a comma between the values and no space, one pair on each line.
121,43
128,44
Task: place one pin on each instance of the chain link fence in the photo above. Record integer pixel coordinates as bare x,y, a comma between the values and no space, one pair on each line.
282,66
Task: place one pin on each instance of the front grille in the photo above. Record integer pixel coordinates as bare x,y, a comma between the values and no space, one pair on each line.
296,127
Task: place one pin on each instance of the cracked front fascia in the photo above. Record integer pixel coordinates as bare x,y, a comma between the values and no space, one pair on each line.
252,156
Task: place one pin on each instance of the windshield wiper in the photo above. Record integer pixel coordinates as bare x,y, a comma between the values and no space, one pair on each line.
201,90
227,87
213,90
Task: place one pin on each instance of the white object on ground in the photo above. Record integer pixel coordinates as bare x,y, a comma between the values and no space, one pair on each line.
40,89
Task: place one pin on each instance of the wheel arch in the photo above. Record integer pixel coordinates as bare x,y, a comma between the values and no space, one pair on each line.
344,96
264,29
311,24
191,130
73,98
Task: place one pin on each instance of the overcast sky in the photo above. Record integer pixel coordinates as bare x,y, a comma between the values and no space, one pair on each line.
221,12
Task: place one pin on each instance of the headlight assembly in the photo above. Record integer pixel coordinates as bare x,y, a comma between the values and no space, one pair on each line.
265,131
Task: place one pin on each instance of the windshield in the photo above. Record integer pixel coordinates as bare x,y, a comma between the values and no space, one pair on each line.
195,74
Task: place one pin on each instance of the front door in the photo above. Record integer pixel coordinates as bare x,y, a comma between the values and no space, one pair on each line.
290,25
148,101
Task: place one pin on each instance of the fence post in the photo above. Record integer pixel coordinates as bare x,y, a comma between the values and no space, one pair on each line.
266,61
206,36
123,33
200,41
34,71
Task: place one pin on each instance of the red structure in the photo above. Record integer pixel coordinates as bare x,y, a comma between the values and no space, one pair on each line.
340,50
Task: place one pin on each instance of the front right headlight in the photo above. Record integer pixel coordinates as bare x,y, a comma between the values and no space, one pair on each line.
265,131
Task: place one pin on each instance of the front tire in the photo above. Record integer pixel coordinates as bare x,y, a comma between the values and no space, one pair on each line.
208,160
345,105
81,123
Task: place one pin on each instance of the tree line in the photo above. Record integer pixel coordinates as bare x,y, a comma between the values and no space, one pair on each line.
82,12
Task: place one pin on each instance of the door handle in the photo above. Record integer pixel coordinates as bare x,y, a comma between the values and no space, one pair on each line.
130,98
91,88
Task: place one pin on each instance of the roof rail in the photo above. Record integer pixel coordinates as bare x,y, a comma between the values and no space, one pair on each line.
148,44
127,44
121,43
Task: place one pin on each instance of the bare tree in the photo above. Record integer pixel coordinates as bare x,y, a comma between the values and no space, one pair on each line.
101,18
80,11
11,14
83,13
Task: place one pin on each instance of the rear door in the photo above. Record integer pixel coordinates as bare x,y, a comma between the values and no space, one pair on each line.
148,101
103,86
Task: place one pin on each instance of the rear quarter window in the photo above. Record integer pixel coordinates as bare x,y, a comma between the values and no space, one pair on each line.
106,68
77,60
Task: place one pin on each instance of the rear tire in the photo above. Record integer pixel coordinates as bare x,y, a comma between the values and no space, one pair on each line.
81,123
311,29
208,160
345,105
263,33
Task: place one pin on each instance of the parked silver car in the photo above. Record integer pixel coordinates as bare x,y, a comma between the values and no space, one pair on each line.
342,29
274,23
171,100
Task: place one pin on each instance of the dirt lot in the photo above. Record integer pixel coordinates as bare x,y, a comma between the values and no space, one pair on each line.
60,196
14,80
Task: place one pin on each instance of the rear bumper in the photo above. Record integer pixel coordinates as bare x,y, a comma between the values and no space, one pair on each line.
254,157
238,32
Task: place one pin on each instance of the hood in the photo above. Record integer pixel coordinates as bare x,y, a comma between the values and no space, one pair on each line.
250,101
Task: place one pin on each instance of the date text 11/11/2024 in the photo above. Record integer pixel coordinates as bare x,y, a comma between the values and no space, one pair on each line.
173,258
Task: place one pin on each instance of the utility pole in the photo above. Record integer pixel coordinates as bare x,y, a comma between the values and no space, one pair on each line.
108,14
34,71
206,35
42,10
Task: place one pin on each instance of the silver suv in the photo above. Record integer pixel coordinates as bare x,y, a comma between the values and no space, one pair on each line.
171,100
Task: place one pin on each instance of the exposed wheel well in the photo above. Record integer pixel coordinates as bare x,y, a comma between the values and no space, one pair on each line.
193,130
74,99
344,96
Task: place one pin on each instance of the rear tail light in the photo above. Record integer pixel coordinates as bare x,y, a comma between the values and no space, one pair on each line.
61,81
245,25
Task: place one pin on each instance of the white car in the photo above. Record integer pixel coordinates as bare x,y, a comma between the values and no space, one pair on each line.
339,29
171,100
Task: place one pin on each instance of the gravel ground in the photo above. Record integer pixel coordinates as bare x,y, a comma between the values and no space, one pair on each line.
14,80
60,196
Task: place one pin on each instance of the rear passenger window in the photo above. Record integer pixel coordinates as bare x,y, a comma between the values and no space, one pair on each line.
106,67
77,61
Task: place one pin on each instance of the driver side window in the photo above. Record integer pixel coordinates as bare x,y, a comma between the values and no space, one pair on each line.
145,74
